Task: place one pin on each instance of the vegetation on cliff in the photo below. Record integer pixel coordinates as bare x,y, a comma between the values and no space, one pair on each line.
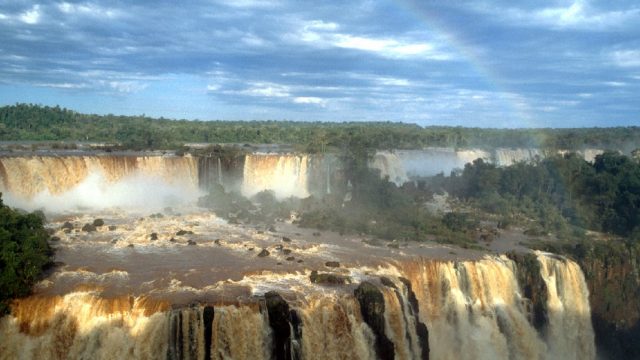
24,253
564,194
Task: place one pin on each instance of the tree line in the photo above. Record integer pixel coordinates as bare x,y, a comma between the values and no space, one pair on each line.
44,123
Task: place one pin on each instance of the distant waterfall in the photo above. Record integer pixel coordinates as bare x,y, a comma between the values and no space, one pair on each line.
286,175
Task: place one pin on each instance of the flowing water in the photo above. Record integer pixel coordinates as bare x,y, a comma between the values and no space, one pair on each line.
164,279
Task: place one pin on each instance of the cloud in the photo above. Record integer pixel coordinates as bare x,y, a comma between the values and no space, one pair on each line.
309,100
320,34
626,58
267,90
579,14
125,87
88,9
65,85
31,16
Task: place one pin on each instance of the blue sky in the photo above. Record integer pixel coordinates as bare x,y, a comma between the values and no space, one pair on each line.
432,62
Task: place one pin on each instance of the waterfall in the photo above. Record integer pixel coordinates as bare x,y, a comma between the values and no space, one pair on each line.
416,309
285,174
97,181
390,167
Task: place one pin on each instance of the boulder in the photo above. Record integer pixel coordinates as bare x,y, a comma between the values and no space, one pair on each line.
153,236
286,239
89,228
332,264
328,278
67,225
264,253
98,222
191,242
112,227
286,251
290,258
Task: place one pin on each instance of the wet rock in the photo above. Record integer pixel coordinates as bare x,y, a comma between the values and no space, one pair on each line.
279,247
112,227
264,253
286,239
67,225
332,264
130,245
98,222
290,258
153,236
250,249
372,308
300,261
286,251
387,282
114,241
156,216
88,228
67,231
191,242
328,278
172,240
184,232
533,286
279,315
207,316
217,242
54,239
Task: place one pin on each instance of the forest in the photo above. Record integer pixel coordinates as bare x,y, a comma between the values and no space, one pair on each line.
24,253
28,122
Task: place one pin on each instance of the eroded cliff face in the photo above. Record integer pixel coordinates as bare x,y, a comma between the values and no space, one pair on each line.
612,275
416,309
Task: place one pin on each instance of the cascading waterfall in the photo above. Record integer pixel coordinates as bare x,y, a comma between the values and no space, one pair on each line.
285,174
417,309
96,181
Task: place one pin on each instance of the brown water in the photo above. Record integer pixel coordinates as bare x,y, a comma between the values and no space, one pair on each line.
118,293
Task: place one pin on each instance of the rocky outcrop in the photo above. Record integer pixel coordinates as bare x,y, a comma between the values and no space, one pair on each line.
328,278
421,328
533,287
371,302
279,315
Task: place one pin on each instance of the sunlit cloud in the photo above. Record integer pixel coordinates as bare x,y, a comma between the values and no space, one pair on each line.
31,16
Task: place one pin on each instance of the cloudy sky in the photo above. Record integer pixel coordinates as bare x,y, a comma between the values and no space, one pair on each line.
432,62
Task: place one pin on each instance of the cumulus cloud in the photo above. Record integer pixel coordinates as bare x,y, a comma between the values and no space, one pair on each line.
31,16
321,34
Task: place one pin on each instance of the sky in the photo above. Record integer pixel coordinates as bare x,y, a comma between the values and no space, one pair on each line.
478,63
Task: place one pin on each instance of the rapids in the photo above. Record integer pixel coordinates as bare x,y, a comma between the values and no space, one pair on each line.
164,279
